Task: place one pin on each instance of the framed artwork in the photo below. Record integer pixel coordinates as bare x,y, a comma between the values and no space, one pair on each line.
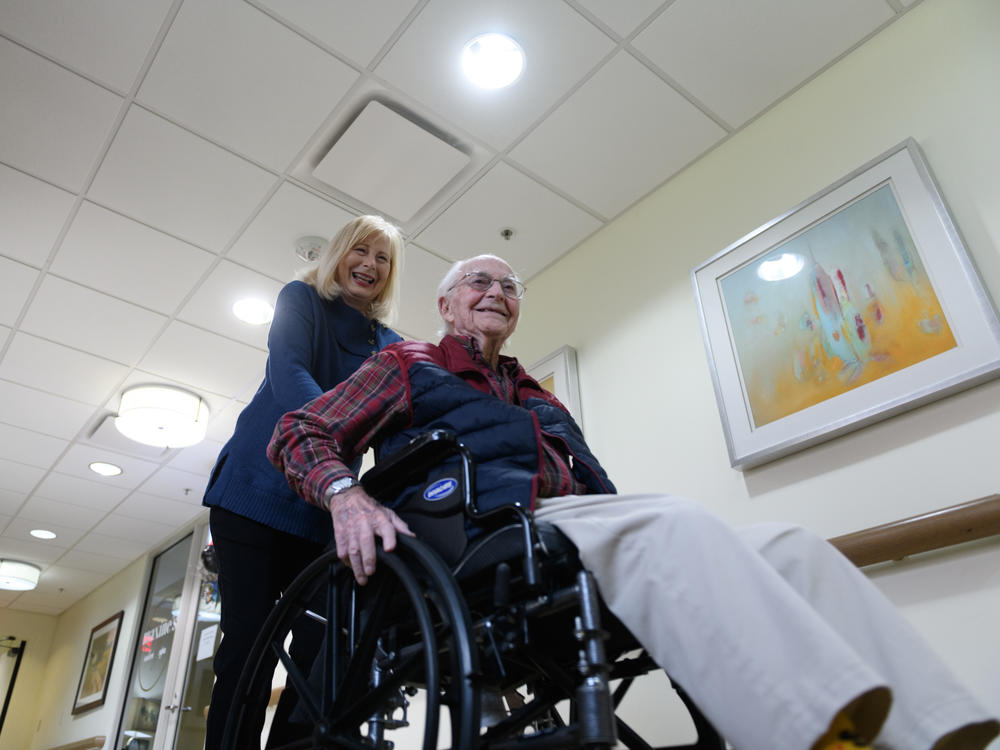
556,373
859,303
93,687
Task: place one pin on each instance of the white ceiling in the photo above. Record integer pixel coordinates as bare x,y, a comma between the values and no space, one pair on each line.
157,161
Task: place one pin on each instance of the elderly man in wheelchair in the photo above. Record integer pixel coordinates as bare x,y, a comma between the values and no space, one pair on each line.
512,582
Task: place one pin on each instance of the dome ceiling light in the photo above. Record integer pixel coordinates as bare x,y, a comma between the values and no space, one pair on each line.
18,576
492,61
163,416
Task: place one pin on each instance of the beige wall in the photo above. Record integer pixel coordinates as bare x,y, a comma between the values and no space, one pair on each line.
623,299
21,722
53,723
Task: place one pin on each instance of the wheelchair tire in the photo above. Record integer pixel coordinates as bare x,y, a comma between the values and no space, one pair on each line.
382,642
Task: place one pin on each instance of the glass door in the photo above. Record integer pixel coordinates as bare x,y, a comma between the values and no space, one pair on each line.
153,707
199,677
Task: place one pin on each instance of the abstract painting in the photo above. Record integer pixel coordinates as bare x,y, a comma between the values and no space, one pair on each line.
857,304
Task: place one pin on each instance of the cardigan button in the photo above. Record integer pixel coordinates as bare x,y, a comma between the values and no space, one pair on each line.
371,342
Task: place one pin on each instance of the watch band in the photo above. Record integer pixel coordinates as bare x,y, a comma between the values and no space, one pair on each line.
336,487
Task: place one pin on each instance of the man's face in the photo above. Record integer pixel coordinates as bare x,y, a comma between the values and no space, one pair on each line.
487,316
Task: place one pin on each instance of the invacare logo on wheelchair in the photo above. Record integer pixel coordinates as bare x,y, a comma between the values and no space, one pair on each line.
439,490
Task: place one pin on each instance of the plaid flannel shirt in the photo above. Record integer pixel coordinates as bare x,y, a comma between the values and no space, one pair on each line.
314,445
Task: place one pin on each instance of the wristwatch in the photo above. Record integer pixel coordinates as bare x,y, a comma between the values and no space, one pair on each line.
336,487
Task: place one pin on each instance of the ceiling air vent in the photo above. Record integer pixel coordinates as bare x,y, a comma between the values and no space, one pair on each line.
389,162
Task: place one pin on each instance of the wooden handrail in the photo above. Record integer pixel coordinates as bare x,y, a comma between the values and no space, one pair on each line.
90,743
966,522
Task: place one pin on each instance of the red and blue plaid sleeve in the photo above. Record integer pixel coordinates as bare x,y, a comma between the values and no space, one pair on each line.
314,445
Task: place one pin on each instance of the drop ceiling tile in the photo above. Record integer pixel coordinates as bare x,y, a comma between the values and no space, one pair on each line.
27,447
74,315
560,47
105,39
738,58
18,478
22,605
418,315
32,214
33,552
43,510
128,260
66,536
197,459
76,462
268,244
211,306
204,360
71,118
182,486
16,281
143,531
545,225
10,502
35,410
58,369
73,580
111,546
47,600
175,181
621,17
97,496
589,150
145,507
357,30
233,74
94,562
365,162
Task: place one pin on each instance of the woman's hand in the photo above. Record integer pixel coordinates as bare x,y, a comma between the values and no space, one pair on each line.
357,519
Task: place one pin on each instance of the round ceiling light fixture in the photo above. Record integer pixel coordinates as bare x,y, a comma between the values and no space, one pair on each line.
105,469
18,576
492,61
162,416
254,311
42,534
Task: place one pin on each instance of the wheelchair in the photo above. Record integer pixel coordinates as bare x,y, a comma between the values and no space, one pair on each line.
491,643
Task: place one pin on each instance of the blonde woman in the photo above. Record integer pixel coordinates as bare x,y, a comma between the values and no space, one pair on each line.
325,325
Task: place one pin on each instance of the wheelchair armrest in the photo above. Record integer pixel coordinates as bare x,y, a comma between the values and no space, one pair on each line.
394,473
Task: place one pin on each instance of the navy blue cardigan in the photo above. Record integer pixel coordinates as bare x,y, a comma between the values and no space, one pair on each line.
313,344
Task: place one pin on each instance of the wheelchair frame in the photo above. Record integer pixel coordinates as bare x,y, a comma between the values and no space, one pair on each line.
413,626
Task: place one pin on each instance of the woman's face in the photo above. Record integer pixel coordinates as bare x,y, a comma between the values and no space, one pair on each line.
363,271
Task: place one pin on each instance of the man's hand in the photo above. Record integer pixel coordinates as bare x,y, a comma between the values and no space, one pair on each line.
357,519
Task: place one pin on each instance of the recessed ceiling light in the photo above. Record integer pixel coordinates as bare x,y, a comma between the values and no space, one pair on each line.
256,312
105,469
43,534
492,61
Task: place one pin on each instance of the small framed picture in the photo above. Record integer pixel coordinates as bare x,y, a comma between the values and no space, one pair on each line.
93,688
557,374
858,304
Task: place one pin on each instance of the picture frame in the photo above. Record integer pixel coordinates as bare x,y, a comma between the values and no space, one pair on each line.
92,689
557,374
856,305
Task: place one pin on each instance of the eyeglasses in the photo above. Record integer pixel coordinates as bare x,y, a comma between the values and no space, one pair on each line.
482,281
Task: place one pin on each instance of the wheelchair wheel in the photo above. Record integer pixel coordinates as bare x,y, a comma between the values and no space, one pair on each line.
406,630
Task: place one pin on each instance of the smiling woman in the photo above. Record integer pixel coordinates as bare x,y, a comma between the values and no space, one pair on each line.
324,327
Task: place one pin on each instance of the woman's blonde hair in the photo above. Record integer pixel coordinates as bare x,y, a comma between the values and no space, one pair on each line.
322,277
